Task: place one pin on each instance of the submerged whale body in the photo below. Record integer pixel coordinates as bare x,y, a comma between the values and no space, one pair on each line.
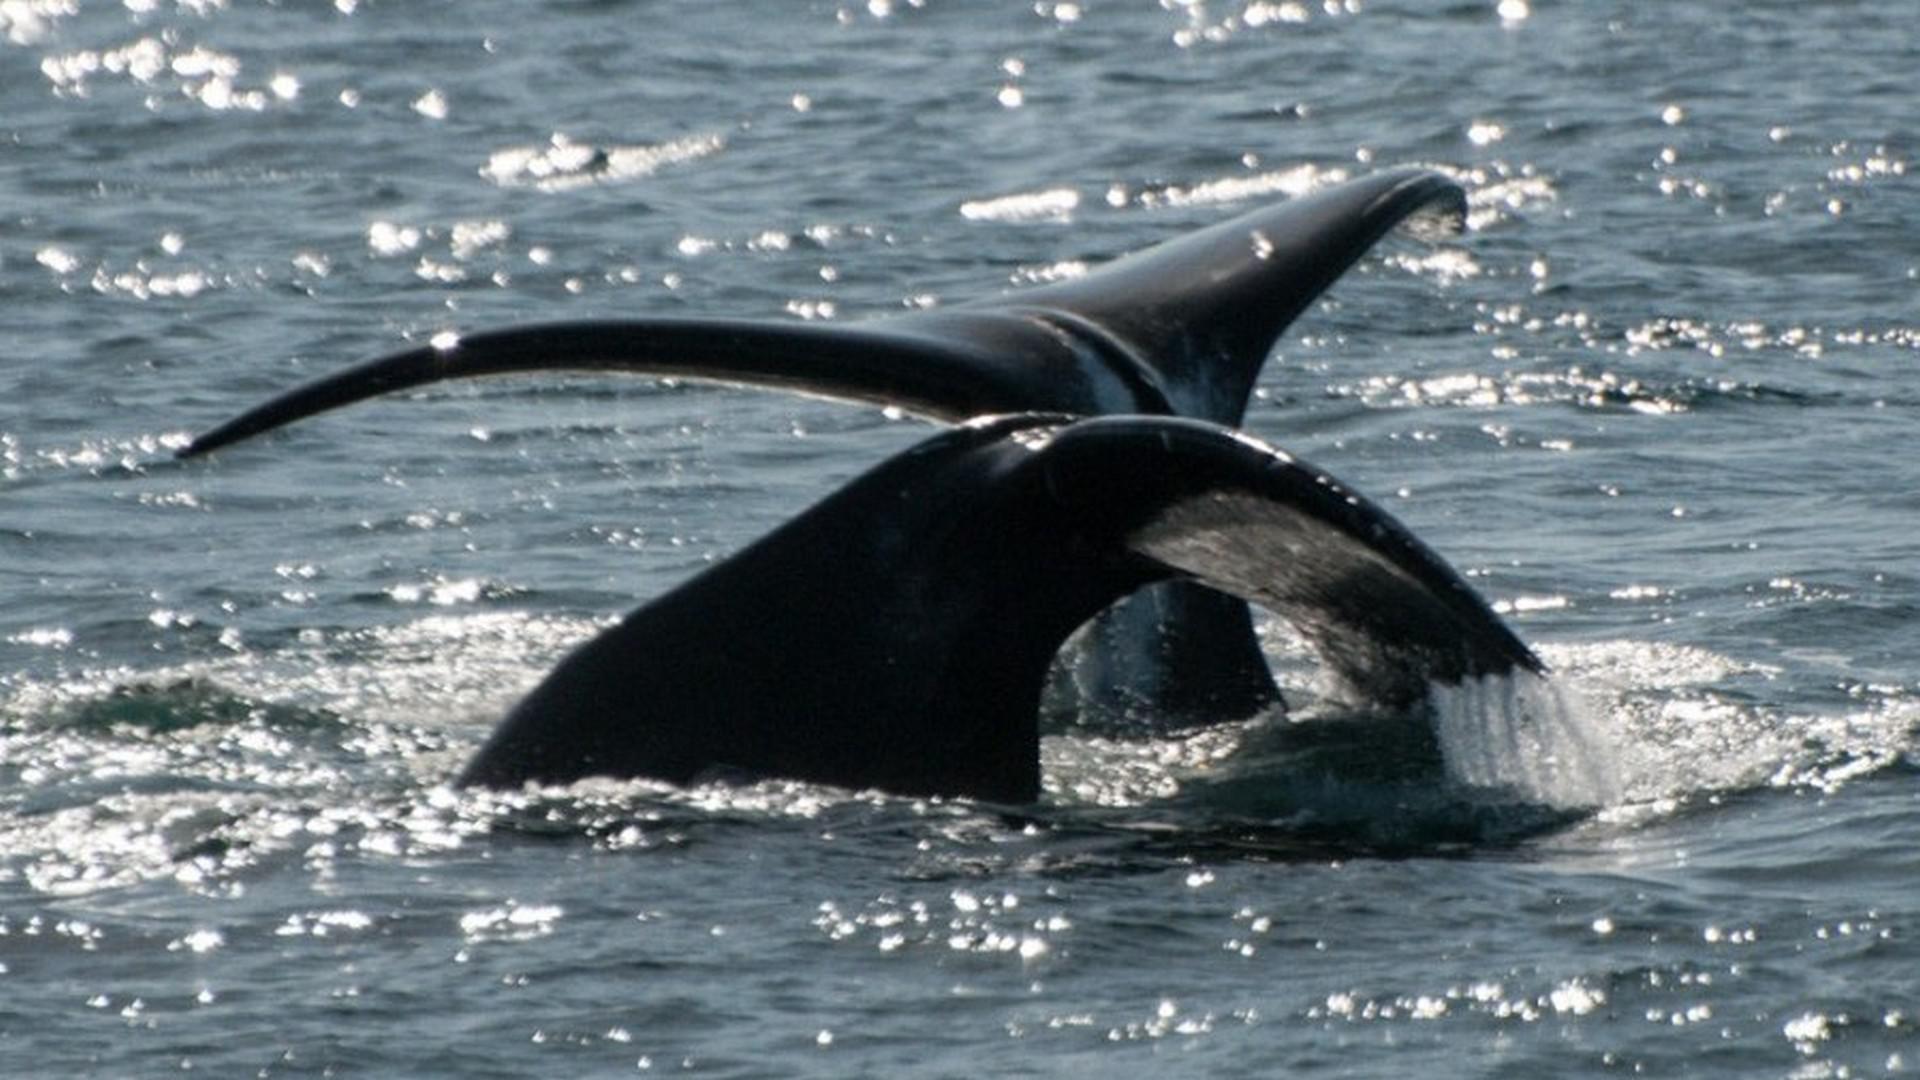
897,634
1181,328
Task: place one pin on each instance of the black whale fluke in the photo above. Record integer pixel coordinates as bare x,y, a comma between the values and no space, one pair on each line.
1180,328
897,634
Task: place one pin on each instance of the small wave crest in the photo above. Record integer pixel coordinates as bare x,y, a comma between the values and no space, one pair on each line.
563,164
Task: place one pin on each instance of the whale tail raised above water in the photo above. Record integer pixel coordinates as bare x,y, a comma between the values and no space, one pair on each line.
1179,328
1183,327
897,634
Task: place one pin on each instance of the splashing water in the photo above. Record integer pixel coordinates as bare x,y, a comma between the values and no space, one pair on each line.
1527,736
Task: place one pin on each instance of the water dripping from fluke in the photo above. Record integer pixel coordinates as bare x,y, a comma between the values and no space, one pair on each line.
1528,737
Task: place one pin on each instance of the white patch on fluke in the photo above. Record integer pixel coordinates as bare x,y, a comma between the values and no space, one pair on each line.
1526,736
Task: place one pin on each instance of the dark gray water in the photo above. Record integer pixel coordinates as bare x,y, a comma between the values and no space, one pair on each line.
1658,399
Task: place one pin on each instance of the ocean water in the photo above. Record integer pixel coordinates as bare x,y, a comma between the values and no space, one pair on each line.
1657,399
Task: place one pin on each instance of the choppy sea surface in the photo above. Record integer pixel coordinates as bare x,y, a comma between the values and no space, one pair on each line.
1658,399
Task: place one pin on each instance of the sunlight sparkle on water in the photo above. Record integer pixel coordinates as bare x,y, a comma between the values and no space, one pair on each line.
388,238
201,74
1294,182
563,164
432,105
511,922
59,260
29,22
1041,275
1052,205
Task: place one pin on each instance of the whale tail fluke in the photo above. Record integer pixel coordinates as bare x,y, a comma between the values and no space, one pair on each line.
1385,613
867,362
1182,327
897,634
1200,313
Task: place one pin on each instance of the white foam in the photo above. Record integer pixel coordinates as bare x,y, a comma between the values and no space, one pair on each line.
1527,736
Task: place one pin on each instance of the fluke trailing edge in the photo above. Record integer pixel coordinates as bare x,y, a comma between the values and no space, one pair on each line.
919,606
1180,328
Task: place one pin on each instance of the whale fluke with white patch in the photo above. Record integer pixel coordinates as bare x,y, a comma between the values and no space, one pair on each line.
1180,328
897,634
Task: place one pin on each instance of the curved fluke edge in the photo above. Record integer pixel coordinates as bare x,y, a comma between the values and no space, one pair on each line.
940,378
1198,315
1182,327
897,634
